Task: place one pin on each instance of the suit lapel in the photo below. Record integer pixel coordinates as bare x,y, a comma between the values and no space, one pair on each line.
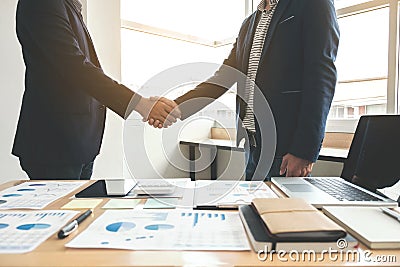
248,40
282,5
93,54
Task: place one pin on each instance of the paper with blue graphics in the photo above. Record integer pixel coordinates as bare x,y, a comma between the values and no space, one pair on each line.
22,232
230,193
179,229
36,195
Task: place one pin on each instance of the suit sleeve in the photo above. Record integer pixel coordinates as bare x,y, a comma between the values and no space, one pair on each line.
205,93
321,40
47,24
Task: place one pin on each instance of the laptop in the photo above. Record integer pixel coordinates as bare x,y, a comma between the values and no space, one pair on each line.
372,158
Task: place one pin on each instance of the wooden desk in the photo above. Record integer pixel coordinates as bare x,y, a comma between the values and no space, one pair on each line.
53,253
326,154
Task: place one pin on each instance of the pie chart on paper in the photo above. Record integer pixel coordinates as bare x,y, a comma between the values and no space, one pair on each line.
159,227
33,226
120,227
26,189
12,195
250,185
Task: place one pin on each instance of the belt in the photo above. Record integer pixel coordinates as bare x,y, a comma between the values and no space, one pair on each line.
252,138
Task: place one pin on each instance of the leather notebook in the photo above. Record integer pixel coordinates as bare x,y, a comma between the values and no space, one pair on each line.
292,219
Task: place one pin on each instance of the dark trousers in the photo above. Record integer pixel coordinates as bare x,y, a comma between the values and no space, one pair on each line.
56,171
252,157
252,153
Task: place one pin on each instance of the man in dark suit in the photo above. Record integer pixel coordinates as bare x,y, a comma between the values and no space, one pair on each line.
287,48
63,111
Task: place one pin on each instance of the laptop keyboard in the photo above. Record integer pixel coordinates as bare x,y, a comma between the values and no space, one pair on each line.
340,190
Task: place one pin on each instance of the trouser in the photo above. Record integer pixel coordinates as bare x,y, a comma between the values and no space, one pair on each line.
253,152
57,171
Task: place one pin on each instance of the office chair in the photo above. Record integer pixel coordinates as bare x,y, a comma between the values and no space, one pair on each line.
373,159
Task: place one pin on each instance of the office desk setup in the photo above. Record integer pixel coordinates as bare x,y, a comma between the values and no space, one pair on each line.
53,252
326,154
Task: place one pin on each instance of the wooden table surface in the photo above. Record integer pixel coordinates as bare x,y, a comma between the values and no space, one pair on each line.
53,253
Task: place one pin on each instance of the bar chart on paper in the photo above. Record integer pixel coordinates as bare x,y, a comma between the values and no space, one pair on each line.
202,217
172,230
196,228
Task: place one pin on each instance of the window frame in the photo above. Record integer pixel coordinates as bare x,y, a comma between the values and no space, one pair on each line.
135,26
349,125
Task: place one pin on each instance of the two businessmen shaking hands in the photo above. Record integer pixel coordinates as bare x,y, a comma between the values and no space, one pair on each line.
286,48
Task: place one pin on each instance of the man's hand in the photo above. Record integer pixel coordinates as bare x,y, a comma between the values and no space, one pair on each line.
295,167
161,110
176,113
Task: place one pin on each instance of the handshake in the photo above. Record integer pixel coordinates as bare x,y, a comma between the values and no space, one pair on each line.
159,112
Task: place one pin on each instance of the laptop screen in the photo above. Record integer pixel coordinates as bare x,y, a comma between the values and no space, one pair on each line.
373,157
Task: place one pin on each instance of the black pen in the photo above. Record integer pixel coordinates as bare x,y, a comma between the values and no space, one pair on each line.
222,207
72,226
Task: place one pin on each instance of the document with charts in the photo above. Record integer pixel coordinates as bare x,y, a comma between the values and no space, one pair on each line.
21,232
36,195
158,230
230,193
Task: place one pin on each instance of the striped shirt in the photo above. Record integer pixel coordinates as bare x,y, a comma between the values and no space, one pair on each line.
254,60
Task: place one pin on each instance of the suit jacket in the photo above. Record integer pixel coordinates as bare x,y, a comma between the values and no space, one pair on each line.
296,74
63,108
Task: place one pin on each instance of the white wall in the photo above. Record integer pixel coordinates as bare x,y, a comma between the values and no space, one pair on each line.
11,90
103,20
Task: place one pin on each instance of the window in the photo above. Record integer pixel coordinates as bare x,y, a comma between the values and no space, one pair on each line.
362,63
347,3
160,34
365,81
176,32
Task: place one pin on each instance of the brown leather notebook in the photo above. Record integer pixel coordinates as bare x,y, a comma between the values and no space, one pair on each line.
295,219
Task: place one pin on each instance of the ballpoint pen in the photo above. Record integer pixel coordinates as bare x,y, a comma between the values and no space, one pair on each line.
72,226
391,213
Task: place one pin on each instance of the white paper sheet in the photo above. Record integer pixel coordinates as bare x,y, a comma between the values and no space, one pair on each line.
21,232
36,195
230,193
180,183
158,230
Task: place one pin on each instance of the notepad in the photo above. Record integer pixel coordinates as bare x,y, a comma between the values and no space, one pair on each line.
294,219
121,204
261,239
368,224
162,203
82,204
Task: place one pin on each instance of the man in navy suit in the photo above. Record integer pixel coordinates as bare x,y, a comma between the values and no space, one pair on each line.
287,48
63,111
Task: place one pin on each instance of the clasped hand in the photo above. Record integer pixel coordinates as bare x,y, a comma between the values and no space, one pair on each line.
159,112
